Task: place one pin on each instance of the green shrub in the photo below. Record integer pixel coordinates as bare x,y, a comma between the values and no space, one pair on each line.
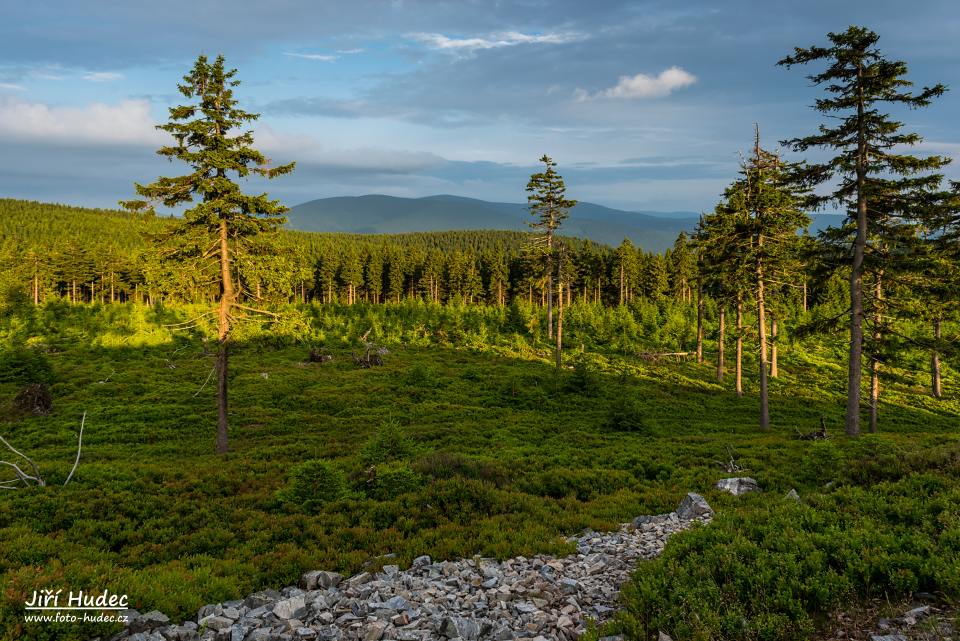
771,571
389,443
583,484
466,500
421,377
313,483
391,480
25,366
583,379
626,415
444,465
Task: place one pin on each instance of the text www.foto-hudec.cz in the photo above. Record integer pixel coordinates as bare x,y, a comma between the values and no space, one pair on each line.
49,606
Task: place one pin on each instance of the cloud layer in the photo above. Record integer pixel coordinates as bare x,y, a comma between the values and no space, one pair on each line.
128,122
643,86
492,41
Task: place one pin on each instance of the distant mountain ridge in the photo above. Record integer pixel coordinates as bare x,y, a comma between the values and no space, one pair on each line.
373,214
379,214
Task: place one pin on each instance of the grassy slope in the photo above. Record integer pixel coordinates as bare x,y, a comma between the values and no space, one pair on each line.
153,514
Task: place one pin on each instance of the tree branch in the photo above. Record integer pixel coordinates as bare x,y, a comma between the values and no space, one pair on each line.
79,445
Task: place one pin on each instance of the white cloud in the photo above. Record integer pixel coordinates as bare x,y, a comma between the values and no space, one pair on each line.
492,41
306,150
9,86
128,122
103,76
643,86
348,52
312,56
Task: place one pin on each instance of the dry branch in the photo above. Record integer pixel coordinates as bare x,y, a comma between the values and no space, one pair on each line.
79,445
36,478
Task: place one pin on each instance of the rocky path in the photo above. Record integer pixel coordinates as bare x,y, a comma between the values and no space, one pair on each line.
541,598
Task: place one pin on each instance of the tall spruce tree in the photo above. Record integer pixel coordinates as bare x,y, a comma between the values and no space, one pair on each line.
858,80
550,207
726,277
209,137
764,209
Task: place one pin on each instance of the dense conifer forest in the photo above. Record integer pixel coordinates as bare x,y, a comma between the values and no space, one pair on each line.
58,252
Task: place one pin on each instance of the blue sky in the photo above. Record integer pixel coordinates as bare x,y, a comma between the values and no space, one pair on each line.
644,105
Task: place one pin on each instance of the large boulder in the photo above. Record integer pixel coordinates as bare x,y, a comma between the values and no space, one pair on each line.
319,580
291,608
148,621
738,485
693,506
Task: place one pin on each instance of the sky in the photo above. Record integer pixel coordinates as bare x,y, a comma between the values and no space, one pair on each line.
644,105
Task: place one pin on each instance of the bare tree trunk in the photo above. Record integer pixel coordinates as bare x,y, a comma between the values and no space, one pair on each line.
935,361
560,325
720,340
550,306
739,368
223,332
762,325
875,356
36,288
700,306
854,372
804,294
874,389
774,371
112,297
622,285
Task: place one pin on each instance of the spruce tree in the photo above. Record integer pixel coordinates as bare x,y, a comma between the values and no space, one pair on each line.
726,277
858,80
625,265
763,220
550,207
207,135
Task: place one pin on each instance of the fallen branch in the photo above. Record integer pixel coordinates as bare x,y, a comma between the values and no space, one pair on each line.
653,357
731,466
21,475
36,478
36,470
212,370
79,445
255,310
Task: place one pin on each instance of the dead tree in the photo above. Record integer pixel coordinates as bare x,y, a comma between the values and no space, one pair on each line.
24,479
816,435
372,356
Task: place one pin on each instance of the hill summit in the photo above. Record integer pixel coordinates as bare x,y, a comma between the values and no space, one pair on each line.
379,214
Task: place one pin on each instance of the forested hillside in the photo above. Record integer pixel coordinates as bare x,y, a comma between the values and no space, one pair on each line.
55,251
